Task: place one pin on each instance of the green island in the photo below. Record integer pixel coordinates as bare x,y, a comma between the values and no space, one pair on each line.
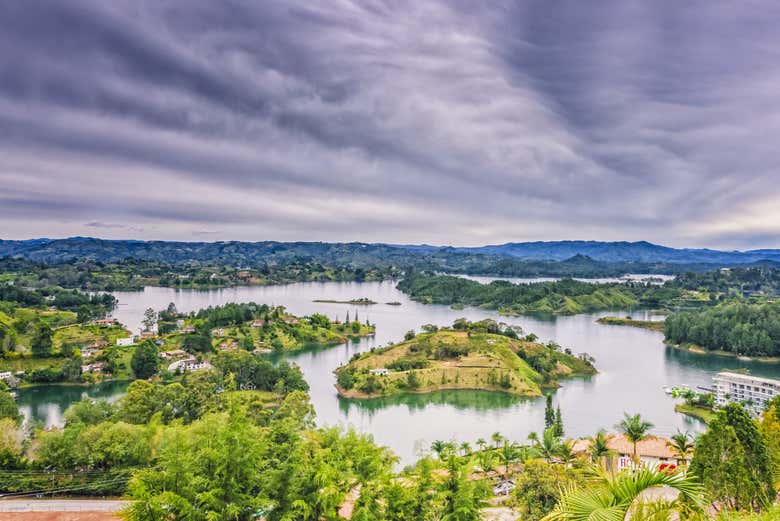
653,325
565,296
253,327
362,301
470,355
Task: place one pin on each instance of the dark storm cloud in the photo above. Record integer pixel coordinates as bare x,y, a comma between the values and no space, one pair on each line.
440,122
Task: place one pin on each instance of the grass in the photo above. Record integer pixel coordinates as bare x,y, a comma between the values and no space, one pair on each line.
653,325
704,414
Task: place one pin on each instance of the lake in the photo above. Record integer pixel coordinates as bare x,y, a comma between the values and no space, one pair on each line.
633,365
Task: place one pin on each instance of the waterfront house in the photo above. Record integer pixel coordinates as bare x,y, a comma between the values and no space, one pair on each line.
653,452
125,342
751,391
175,353
105,322
97,367
188,364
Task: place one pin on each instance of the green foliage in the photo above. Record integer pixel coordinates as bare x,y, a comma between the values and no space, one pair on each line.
8,407
145,361
612,497
739,328
197,343
538,487
40,343
566,296
733,461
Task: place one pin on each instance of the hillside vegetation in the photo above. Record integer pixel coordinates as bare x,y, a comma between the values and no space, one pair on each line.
463,357
738,328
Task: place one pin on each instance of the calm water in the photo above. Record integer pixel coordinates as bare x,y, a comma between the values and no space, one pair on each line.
633,365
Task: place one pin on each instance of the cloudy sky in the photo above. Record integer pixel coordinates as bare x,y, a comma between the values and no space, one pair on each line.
419,121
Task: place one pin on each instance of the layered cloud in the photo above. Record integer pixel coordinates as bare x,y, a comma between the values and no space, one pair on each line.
439,122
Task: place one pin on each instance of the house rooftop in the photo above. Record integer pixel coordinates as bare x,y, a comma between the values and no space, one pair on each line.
652,446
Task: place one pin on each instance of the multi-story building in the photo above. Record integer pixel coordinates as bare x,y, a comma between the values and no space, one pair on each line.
752,391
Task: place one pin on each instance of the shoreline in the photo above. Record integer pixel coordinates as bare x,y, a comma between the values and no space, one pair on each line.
357,395
696,349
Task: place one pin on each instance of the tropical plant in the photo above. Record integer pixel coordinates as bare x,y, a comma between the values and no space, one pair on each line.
613,497
548,445
682,445
497,439
599,448
635,429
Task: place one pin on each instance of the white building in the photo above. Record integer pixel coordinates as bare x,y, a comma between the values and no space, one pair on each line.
752,391
124,342
188,364
5,374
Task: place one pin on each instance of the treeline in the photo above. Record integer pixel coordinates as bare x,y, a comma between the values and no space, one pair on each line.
565,296
746,281
737,327
96,305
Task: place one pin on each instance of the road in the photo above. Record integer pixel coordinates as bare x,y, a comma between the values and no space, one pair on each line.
61,505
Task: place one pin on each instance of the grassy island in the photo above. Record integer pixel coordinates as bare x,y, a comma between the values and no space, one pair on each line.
362,301
653,325
466,356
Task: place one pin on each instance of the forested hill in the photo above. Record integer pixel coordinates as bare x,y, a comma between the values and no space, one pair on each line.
563,258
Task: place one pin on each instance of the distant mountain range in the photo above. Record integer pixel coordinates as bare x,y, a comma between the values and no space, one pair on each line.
641,251
356,253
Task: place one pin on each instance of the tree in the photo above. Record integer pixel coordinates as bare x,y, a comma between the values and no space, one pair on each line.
599,448
8,407
497,439
84,314
733,461
558,425
635,429
537,488
509,453
682,444
145,360
548,445
615,497
150,319
197,343
40,343
463,497
549,412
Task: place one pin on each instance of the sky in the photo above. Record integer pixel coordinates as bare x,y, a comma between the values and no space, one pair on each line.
440,122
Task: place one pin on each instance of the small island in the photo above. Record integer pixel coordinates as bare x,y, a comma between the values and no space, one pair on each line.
468,355
362,301
653,325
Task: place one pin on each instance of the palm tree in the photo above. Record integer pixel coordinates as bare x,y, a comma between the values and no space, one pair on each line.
465,448
509,453
481,443
565,452
599,448
548,445
439,447
682,444
635,429
497,439
614,497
